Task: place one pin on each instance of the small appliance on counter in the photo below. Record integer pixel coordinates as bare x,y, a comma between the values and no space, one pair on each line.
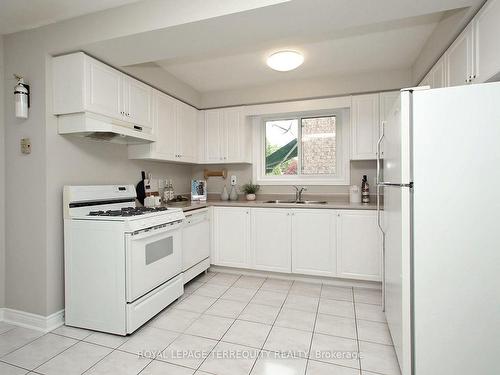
199,190
354,194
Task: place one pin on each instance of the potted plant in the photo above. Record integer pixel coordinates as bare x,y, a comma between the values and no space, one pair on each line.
250,190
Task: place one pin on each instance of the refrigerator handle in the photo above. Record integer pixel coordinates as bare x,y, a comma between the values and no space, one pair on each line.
379,220
379,143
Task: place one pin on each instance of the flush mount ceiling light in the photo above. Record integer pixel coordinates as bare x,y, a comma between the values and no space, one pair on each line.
284,61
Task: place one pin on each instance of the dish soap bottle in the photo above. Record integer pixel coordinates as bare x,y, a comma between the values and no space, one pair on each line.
365,190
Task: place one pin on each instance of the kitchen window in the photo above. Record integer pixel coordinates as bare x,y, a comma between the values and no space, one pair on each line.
303,149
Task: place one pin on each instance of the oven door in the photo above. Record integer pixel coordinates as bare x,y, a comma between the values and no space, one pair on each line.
153,257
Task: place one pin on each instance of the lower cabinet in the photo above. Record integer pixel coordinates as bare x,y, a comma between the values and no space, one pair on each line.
313,242
231,236
319,242
271,239
359,250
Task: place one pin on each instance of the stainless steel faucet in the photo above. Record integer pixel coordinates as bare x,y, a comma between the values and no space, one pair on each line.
298,193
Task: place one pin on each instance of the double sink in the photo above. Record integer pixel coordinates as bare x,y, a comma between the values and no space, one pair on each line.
295,202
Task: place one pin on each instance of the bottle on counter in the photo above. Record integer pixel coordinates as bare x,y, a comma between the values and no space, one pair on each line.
165,193
224,196
365,190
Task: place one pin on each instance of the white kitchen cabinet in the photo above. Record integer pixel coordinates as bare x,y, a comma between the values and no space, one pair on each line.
103,90
225,137
271,239
359,250
388,101
137,101
186,129
364,126
84,84
314,242
487,51
438,74
231,236
459,59
175,125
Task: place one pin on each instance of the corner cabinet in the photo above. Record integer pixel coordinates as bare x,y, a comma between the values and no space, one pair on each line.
224,136
364,126
359,245
175,125
231,236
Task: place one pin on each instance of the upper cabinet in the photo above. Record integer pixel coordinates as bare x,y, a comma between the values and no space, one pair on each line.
487,30
84,84
459,59
225,136
474,57
175,130
437,77
364,126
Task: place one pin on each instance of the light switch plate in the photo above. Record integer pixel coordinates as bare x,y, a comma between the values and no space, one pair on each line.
233,180
26,146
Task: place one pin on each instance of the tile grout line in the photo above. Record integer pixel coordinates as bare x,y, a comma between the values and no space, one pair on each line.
313,330
272,325
356,326
218,341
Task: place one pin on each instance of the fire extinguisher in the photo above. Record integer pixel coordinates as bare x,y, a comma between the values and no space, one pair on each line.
22,98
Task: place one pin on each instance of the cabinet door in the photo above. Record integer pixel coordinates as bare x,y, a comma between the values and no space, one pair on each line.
390,102
232,128
213,136
459,59
271,239
313,242
103,89
364,126
165,127
359,250
439,74
186,126
138,99
231,230
487,30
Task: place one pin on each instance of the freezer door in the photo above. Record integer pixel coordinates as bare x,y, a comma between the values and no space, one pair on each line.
456,166
396,225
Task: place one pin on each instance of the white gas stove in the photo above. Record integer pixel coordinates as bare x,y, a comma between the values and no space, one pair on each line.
122,262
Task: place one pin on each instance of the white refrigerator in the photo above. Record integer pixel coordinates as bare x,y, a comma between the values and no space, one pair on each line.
441,225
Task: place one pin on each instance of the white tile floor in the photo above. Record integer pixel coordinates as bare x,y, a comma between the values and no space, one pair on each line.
225,324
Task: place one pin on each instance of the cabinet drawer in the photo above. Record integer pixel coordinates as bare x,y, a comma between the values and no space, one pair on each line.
152,303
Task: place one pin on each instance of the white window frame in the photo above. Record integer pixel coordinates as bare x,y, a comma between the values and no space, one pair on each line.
342,177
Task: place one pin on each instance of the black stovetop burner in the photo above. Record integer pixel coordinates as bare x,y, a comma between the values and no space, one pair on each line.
128,211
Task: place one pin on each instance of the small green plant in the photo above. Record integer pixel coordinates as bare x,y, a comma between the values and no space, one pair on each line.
250,188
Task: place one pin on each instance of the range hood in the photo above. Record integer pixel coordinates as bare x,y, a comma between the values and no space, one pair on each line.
101,128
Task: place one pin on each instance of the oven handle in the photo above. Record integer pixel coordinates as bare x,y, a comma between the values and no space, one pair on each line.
145,233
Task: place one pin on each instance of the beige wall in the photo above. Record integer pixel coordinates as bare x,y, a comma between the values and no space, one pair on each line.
243,173
34,237
2,181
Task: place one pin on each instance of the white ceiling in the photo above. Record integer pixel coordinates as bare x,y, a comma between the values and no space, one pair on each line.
17,15
337,37
388,47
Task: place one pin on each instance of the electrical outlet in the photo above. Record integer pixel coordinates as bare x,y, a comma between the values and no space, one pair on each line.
233,180
26,146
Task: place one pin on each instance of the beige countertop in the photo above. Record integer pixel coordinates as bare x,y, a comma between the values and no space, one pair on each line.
338,202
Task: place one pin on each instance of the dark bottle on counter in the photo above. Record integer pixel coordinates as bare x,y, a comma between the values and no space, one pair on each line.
365,190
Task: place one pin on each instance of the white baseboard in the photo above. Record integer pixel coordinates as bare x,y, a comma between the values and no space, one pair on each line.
33,321
297,277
